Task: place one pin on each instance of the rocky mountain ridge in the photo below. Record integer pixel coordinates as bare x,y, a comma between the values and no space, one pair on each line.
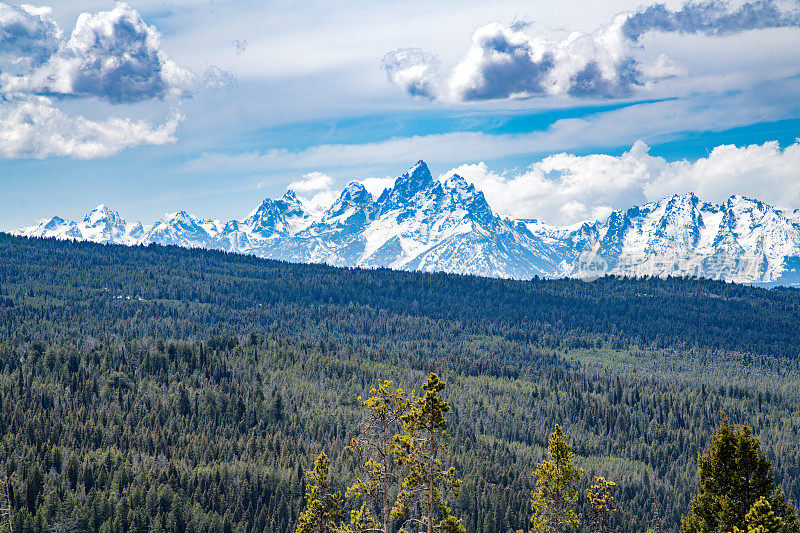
422,223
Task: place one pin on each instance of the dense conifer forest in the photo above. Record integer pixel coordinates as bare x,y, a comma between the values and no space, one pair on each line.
166,389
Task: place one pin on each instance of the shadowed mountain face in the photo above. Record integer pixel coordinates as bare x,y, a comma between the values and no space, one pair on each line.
423,223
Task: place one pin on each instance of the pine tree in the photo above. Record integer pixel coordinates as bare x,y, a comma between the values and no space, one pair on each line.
385,409
762,519
553,501
601,499
323,513
733,476
6,523
421,450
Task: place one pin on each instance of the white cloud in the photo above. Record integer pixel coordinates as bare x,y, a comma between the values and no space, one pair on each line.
506,62
653,122
33,128
312,181
565,188
113,55
318,183
29,36
764,171
412,69
216,78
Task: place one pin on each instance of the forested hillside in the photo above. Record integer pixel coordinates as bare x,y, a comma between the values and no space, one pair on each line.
160,388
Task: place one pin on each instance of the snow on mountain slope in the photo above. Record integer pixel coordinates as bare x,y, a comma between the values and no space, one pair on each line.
337,238
183,229
740,240
425,224
422,223
101,225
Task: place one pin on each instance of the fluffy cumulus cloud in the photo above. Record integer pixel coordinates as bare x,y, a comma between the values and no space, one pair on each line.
29,36
34,128
507,62
565,188
500,63
111,55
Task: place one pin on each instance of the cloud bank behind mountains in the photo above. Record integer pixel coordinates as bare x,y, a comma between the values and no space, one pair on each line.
566,188
506,62
110,55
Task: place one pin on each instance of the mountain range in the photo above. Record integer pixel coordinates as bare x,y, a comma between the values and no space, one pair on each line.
428,224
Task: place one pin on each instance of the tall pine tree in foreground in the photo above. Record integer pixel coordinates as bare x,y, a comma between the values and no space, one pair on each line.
553,501
421,450
762,519
601,500
735,481
323,513
385,407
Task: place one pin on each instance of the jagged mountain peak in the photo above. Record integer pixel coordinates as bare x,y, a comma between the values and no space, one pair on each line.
288,203
356,192
688,199
277,216
455,181
457,185
419,168
740,198
102,213
416,179
179,215
354,195
53,223
424,223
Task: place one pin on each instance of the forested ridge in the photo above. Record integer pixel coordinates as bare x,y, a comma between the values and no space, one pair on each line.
160,388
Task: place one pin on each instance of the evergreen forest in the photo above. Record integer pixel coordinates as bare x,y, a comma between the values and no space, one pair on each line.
155,389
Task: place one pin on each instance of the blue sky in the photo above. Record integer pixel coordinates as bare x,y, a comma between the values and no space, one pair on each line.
558,112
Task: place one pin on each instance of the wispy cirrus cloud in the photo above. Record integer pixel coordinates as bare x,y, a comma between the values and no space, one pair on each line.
655,122
506,62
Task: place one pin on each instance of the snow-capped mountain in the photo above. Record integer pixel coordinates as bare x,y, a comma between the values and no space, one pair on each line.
423,223
739,240
183,229
101,224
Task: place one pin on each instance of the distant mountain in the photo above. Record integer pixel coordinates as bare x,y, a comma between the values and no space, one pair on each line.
740,240
422,223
